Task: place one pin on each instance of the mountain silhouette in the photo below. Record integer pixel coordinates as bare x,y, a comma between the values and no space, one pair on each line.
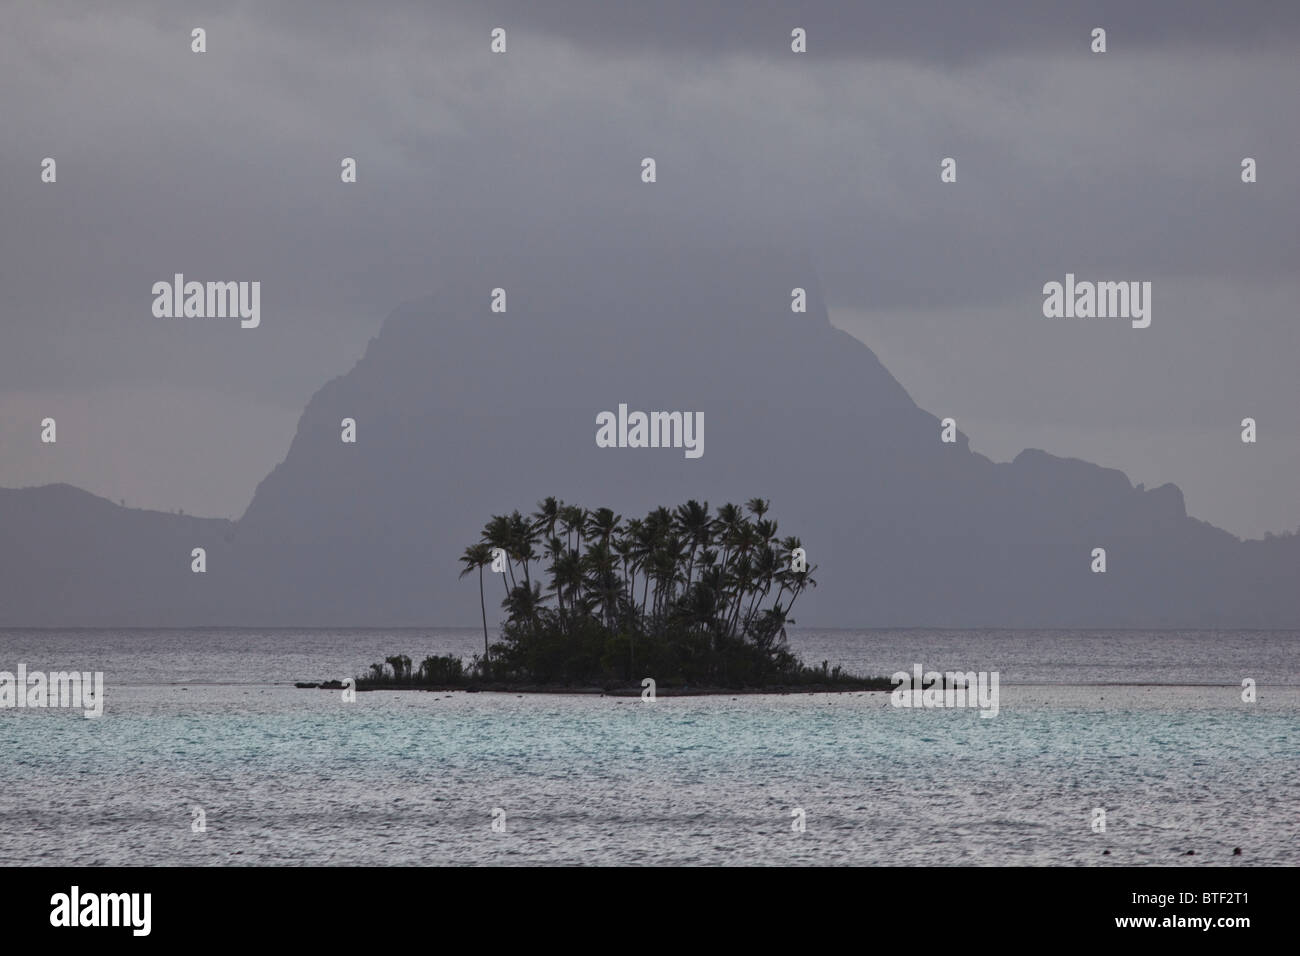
462,413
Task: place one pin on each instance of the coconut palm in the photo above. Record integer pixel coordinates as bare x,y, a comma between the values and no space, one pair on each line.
498,536
695,526
546,516
478,556
602,523
573,518
716,592
401,665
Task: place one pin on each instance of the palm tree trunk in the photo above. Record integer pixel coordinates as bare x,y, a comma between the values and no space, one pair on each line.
482,606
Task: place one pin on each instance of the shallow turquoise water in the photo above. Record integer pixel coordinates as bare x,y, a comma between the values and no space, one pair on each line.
298,776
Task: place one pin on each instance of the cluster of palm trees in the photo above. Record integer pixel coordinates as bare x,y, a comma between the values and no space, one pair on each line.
587,593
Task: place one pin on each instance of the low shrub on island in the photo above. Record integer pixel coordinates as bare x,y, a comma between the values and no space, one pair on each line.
683,596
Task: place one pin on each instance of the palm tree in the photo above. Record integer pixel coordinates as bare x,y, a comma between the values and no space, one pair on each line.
624,546
642,535
729,521
566,577
401,665
601,523
556,551
796,582
747,541
523,602
497,534
766,566
712,576
695,526
602,580
522,538
665,568
478,556
546,516
572,518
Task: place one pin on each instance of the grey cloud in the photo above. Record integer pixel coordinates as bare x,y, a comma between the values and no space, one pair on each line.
226,166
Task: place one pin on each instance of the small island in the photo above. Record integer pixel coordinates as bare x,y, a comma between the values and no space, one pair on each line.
696,602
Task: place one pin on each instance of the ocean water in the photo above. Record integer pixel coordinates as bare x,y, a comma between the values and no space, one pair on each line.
1149,726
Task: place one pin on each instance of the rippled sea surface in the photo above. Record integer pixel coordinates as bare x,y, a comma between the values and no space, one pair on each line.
1149,726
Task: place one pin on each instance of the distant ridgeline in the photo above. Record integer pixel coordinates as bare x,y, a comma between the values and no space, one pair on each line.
683,597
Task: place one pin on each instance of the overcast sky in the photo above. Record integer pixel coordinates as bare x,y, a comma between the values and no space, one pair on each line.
225,166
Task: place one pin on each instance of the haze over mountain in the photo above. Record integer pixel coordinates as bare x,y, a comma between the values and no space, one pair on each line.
462,413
